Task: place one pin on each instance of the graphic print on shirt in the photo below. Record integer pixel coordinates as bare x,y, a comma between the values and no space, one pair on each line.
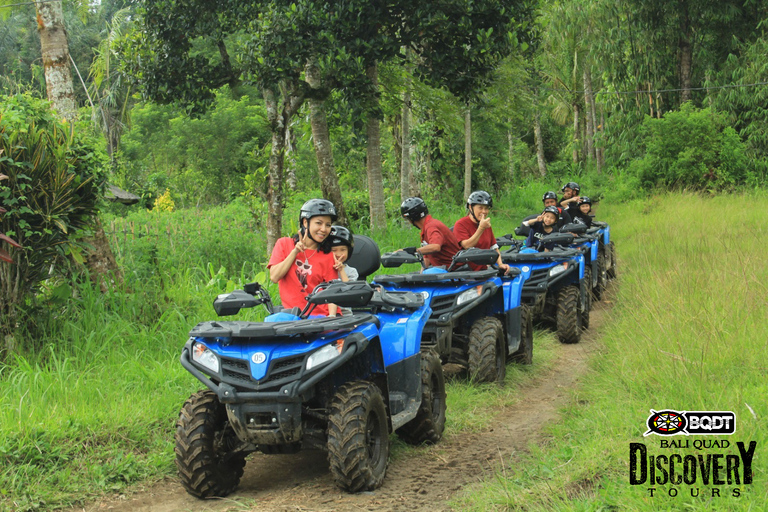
303,271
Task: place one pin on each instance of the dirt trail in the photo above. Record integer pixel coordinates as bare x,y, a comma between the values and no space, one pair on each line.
422,481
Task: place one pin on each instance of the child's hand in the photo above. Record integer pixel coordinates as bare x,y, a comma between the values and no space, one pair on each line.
337,263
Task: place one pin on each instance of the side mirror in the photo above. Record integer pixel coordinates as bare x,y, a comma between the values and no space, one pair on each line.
558,238
476,256
398,258
231,303
345,295
574,227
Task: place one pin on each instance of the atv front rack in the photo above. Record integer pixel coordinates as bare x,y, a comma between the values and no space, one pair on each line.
536,257
466,275
309,326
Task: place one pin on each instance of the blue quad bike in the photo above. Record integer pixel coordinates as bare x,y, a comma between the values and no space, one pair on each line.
554,288
295,382
601,261
606,256
477,319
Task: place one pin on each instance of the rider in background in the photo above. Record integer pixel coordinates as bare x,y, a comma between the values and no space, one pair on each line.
570,198
438,244
301,262
474,230
542,226
550,199
583,214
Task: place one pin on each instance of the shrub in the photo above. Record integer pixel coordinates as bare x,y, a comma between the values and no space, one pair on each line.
691,148
54,178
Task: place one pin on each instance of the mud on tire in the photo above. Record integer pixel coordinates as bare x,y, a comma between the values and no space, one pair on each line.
487,351
207,466
568,315
524,354
358,437
429,423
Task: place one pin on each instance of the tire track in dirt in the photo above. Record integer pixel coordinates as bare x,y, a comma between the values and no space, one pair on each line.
426,480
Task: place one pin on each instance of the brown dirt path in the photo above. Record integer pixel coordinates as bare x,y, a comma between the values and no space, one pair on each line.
424,481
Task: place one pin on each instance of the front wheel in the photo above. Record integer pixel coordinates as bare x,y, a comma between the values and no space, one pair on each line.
429,423
208,466
487,351
358,437
568,314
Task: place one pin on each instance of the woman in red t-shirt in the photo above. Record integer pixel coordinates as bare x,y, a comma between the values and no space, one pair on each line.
301,262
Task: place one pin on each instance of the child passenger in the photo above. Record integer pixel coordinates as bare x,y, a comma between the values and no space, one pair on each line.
342,245
301,262
583,214
542,226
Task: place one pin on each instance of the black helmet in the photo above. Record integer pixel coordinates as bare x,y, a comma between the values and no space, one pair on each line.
413,208
585,200
549,195
315,207
552,209
571,185
342,236
480,197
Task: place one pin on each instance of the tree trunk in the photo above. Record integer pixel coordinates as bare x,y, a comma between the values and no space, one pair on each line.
290,155
55,52
576,143
329,181
61,93
406,173
279,117
539,144
373,163
467,152
590,115
511,155
686,54
601,151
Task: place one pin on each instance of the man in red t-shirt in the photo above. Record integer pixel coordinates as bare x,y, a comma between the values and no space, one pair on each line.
474,230
301,262
439,245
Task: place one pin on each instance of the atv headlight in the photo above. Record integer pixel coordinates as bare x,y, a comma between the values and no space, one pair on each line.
469,295
204,356
325,354
556,271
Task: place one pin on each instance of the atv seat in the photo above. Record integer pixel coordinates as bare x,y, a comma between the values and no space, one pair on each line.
366,257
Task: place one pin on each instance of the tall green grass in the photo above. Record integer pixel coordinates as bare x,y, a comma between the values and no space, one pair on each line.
688,332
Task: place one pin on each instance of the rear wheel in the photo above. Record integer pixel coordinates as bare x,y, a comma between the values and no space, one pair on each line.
358,437
207,464
487,351
568,315
587,298
524,354
611,272
602,276
429,423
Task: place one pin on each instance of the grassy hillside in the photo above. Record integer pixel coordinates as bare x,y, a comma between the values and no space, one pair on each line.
688,333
